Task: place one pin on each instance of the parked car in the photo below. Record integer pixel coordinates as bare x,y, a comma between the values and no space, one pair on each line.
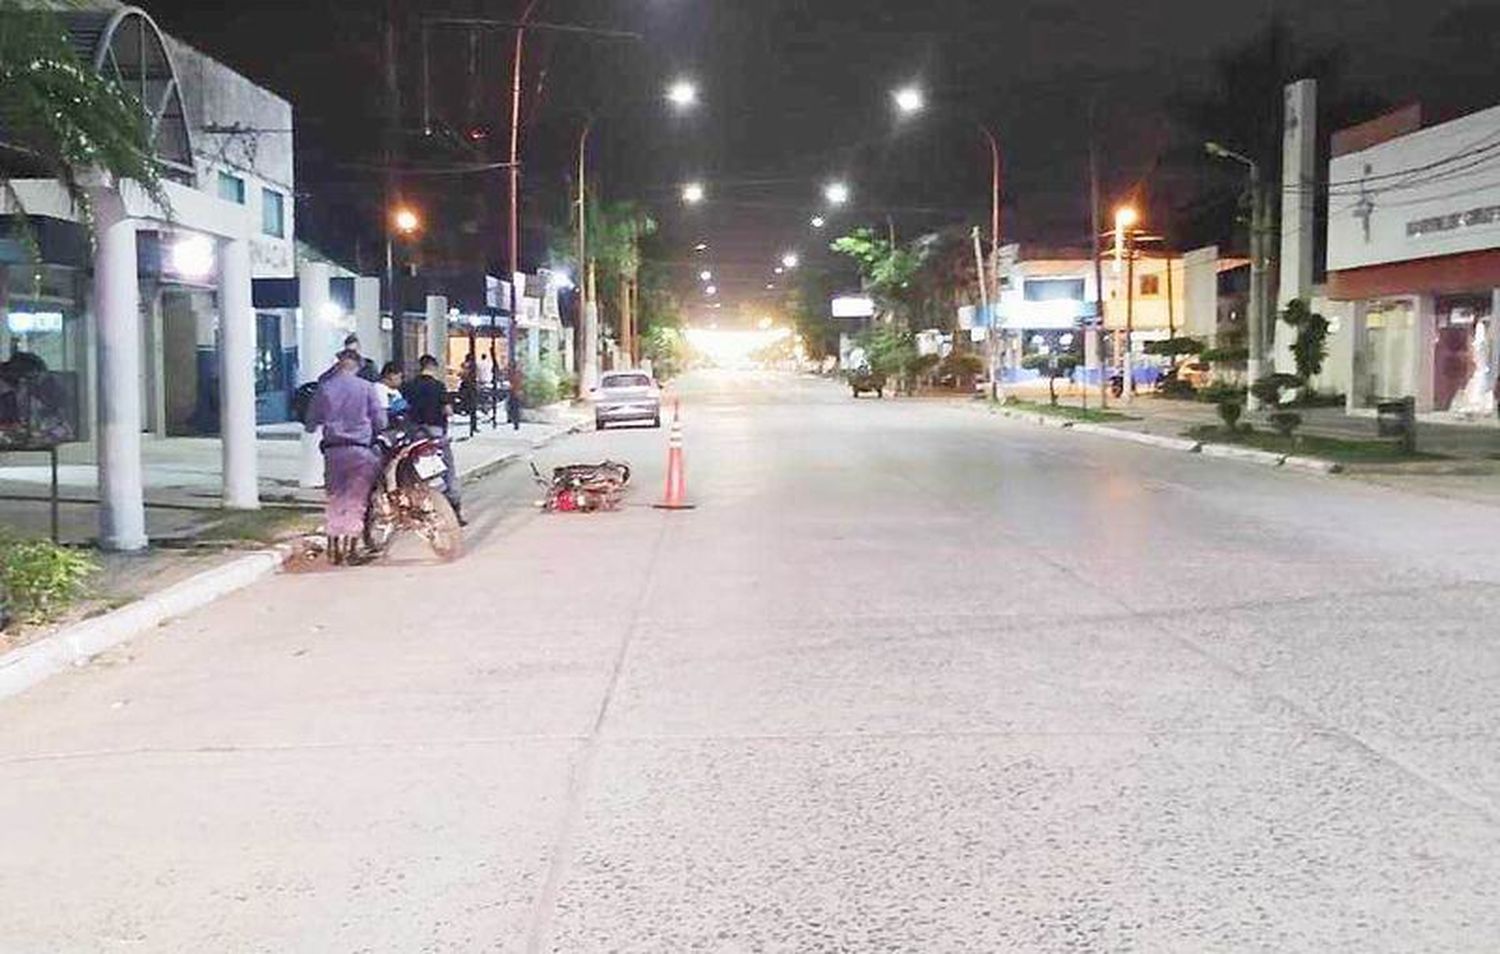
626,397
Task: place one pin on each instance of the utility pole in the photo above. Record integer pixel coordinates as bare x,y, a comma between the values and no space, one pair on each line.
1129,363
513,249
1094,199
392,186
1256,319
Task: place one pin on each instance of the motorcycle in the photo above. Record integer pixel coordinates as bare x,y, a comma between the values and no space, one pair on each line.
583,488
408,494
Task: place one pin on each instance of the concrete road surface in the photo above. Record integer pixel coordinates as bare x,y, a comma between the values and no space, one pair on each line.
910,679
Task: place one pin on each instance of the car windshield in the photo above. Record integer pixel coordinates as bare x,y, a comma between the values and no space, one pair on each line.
627,381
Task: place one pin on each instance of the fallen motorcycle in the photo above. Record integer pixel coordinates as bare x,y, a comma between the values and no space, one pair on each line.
409,495
583,488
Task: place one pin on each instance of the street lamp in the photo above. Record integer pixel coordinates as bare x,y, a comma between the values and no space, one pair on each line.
683,94
403,222
909,100
1126,218
837,193
406,221
791,260
693,193
1259,292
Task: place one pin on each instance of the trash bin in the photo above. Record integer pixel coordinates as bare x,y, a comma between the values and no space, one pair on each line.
1398,419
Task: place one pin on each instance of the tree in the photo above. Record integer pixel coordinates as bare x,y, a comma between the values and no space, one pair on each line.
1310,346
60,119
1054,366
888,269
808,307
891,352
616,230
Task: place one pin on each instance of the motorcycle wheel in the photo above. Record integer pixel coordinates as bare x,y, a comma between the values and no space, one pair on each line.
380,526
437,523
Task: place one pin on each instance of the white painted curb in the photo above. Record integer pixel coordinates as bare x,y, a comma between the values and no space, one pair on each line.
1314,464
1246,454
1137,437
76,645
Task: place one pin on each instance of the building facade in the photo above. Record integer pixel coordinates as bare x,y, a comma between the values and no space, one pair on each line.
1414,257
157,321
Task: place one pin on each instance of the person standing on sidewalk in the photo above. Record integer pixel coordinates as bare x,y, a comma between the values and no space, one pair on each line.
428,407
350,413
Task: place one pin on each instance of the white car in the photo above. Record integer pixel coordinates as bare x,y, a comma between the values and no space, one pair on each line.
624,397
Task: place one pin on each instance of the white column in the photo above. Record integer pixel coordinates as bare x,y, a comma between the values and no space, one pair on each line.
1424,341
569,348
533,346
367,320
1299,157
312,355
237,377
122,495
437,329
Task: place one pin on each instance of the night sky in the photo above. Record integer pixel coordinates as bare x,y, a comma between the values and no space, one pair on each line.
796,92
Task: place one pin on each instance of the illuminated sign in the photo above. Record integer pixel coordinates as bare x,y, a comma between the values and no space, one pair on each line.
34,322
853,306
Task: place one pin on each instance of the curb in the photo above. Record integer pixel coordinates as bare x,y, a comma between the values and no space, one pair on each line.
1138,437
1313,465
1246,454
77,644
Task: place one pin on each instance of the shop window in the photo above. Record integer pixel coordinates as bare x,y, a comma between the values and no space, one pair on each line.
273,213
1150,285
231,188
1054,289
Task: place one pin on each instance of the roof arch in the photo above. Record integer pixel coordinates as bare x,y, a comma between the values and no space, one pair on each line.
126,46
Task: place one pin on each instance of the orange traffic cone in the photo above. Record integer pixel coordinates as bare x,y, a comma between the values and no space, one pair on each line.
676,493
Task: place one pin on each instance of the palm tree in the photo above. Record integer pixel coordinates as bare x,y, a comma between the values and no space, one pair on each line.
616,230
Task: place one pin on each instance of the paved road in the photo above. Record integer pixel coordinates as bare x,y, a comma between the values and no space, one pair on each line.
912,679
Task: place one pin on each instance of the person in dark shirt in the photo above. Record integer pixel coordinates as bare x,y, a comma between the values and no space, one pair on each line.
367,369
428,407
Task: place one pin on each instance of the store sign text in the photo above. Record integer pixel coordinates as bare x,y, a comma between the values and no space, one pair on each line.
1486,215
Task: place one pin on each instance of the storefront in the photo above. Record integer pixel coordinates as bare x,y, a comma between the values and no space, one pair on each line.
1414,246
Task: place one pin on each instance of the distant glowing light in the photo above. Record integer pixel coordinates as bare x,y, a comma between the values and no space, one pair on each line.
791,260
683,94
694,193
406,221
192,256
711,290
909,99
705,276
818,221
837,193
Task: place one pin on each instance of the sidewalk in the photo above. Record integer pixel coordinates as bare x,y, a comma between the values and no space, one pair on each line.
183,478
1464,440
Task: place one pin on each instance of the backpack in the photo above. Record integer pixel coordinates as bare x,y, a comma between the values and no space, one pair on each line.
302,399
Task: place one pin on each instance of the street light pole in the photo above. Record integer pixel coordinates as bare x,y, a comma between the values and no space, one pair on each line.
514,249
995,334
588,320
1256,319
